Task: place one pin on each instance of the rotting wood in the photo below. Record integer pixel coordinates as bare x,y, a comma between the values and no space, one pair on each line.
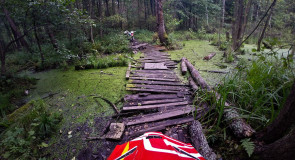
196,75
128,70
141,107
193,84
139,46
153,71
158,126
130,104
165,75
154,76
200,142
116,131
183,66
156,117
210,56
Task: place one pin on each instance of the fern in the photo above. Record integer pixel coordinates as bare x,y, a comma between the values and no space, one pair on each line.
248,146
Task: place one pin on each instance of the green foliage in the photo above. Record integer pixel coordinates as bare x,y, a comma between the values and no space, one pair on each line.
28,130
112,61
144,36
248,146
261,88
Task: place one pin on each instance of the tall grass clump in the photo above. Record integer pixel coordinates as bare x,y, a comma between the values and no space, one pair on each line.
259,90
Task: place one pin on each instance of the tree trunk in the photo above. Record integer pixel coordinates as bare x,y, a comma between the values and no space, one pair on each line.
91,28
281,149
223,13
207,16
161,28
138,14
15,29
3,58
265,26
51,37
107,12
38,41
113,7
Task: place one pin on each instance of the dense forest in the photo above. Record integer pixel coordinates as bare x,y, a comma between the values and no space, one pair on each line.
56,54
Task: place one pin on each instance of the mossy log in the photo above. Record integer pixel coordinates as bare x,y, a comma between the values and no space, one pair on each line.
210,56
196,75
183,66
193,84
200,142
239,126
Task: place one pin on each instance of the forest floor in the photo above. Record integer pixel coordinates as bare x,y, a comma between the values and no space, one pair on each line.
83,116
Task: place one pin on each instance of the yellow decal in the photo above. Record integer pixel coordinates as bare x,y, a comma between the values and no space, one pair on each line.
125,149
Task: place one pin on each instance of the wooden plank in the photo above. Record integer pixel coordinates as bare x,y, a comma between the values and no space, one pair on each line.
158,126
137,97
155,106
156,82
154,76
156,117
155,66
154,79
116,131
154,71
128,71
155,102
151,90
175,88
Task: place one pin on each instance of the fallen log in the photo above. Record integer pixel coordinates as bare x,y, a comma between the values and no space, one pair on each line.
210,56
200,142
213,71
239,126
192,84
196,75
183,66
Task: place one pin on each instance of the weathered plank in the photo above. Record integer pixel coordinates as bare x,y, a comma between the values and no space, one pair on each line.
128,71
153,71
153,90
154,76
175,83
137,97
175,88
155,66
155,106
154,79
154,102
158,126
156,117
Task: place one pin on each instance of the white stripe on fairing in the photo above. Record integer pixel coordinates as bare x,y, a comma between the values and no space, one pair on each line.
148,146
155,133
168,143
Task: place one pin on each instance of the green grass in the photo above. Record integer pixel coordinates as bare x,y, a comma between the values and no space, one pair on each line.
194,51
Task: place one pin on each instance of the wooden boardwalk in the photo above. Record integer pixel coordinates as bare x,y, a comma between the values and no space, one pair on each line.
160,99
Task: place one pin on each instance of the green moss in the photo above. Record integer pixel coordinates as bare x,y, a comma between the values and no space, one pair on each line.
74,101
195,51
18,113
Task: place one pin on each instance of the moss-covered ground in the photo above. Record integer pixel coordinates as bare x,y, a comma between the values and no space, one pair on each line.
194,51
73,98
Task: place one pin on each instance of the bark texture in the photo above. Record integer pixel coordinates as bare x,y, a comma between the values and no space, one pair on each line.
200,142
161,24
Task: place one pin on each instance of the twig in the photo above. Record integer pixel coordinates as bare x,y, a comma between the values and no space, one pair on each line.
109,102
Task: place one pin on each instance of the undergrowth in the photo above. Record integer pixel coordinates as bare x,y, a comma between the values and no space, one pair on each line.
26,133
